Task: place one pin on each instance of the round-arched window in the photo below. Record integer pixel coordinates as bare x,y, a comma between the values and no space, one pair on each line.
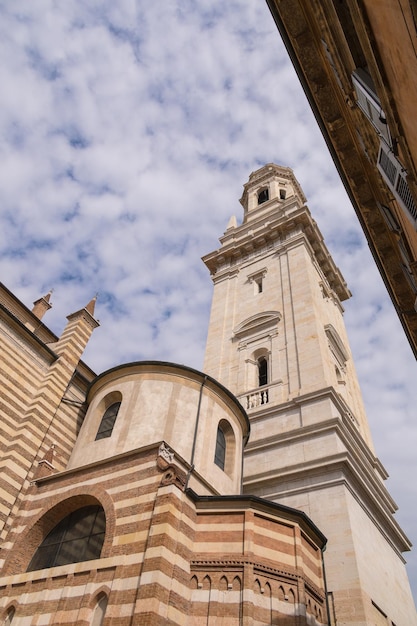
262,371
99,610
78,537
224,456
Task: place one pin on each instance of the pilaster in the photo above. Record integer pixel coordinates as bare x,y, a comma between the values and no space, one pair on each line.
34,434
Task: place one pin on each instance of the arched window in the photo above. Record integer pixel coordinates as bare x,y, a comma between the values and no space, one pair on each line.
99,610
107,421
263,196
220,454
78,537
262,371
9,616
225,453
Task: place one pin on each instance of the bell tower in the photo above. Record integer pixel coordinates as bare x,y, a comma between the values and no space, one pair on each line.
277,340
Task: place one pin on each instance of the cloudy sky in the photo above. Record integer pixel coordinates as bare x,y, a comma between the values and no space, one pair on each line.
127,131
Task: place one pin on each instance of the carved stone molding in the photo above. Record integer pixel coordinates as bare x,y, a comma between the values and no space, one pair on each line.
173,475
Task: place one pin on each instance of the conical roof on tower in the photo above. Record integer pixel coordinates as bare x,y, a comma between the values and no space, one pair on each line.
91,305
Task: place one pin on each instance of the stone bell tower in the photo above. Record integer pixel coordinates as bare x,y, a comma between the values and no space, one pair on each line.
277,340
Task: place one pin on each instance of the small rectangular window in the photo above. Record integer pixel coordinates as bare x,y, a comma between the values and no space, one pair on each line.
257,281
258,285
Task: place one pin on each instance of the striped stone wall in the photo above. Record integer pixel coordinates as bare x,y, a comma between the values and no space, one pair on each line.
41,401
169,556
144,565
254,564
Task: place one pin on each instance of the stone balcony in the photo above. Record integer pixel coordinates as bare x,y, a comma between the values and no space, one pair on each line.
267,394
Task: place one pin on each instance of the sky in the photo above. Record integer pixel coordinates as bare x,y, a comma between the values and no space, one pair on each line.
128,129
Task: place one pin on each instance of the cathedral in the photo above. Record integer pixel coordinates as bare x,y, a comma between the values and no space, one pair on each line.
248,494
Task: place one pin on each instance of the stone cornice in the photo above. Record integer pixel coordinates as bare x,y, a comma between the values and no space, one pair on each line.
258,322
245,502
273,233
346,425
86,316
338,470
344,468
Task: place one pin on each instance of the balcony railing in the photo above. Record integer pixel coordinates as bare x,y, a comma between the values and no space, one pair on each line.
256,398
262,396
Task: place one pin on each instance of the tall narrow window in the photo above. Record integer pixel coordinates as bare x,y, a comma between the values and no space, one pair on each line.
220,454
99,610
263,196
78,537
350,31
107,421
262,371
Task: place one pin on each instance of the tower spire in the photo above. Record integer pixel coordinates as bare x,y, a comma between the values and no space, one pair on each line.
92,305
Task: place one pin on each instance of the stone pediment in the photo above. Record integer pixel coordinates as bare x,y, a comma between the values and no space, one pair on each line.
261,321
336,344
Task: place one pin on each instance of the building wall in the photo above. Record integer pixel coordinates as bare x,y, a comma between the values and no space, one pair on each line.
237,563
164,549
394,35
164,401
376,576
129,495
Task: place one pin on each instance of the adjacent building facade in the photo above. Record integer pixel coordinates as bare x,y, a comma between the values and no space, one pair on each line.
156,494
357,63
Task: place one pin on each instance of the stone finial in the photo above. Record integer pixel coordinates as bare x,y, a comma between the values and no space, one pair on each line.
91,305
232,222
45,465
49,456
41,306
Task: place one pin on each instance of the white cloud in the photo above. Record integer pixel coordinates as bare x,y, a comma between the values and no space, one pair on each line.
127,131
